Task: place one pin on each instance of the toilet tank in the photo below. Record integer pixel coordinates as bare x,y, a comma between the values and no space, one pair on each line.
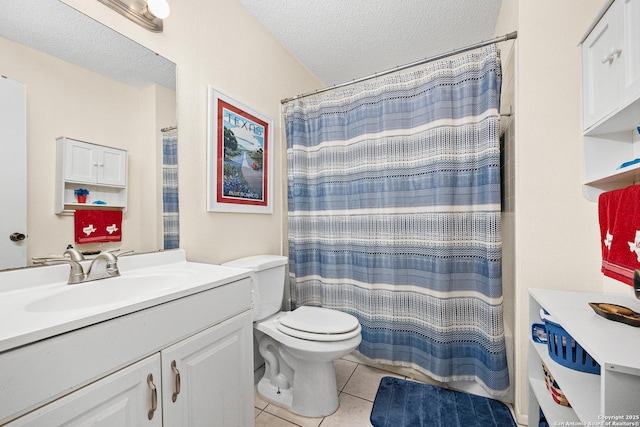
267,282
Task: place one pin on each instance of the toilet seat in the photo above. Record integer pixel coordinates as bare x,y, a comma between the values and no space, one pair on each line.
319,324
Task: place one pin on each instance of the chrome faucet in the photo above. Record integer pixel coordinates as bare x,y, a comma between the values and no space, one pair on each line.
103,266
76,272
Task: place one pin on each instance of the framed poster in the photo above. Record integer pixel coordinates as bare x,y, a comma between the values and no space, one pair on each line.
240,159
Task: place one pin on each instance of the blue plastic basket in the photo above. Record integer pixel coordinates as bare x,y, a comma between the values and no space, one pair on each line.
543,420
565,350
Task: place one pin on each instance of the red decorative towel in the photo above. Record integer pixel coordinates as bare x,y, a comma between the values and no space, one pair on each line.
619,215
93,226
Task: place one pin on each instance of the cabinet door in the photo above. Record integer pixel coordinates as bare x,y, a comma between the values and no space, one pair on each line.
122,399
112,167
631,51
80,161
602,67
207,380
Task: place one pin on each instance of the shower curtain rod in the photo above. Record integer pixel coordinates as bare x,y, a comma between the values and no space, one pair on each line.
169,128
499,39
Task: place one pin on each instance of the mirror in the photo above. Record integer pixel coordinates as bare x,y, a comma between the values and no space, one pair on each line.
85,81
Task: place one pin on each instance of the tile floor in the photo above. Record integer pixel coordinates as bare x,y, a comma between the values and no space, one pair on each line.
357,386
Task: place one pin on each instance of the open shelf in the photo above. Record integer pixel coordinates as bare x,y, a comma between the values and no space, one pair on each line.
583,388
615,346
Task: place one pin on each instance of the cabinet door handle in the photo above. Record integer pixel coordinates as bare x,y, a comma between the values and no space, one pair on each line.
176,381
607,59
154,396
613,54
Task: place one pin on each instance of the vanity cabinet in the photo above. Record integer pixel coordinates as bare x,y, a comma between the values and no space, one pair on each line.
121,399
204,377
595,399
102,170
611,98
195,351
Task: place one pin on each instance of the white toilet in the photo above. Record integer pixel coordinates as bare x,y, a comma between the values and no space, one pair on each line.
299,346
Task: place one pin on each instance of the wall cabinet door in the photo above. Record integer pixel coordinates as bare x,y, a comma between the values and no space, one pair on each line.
602,67
631,50
112,167
207,379
80,161
94,164
124,398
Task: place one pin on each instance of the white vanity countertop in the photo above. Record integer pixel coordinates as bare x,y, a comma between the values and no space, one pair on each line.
37,303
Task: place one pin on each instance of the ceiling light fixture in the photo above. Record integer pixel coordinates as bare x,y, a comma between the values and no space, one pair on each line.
158,8
148,14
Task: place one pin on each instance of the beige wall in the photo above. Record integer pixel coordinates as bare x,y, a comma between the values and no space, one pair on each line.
70,101
556,227
218,43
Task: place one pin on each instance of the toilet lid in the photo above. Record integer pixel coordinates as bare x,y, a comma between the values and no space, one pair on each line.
319,324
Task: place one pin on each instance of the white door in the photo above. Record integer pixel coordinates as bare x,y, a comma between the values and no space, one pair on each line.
13,174
207,380
125,399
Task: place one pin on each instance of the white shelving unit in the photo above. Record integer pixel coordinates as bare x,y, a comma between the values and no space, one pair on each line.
615,346
99,169
611,98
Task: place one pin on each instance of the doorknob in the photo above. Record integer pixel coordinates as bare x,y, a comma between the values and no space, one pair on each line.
17,237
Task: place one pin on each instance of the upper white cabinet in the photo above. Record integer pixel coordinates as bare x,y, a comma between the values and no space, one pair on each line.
611,67
602,67
611,98
631,43
95,164
99,169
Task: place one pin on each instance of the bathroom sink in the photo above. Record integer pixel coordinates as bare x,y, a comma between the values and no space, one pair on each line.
127,287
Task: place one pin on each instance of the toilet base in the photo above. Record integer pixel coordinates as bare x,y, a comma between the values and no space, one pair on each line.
316,395
271,394
299,374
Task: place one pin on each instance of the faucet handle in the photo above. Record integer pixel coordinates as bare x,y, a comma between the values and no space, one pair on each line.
74,254
117,252
76,272
50,260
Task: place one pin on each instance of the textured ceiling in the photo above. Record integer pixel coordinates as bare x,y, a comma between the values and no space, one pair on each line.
55,28
341,40
337,40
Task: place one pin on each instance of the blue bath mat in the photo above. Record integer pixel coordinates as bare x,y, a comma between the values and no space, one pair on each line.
402,403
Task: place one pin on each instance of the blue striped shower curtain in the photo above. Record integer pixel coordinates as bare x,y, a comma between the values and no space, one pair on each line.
394,215
170,216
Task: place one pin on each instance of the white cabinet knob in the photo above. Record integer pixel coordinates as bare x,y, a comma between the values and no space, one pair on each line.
613,54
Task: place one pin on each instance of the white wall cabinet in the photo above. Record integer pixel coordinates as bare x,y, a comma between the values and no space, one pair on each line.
602,67
102,170
197,349
594,399
611,98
